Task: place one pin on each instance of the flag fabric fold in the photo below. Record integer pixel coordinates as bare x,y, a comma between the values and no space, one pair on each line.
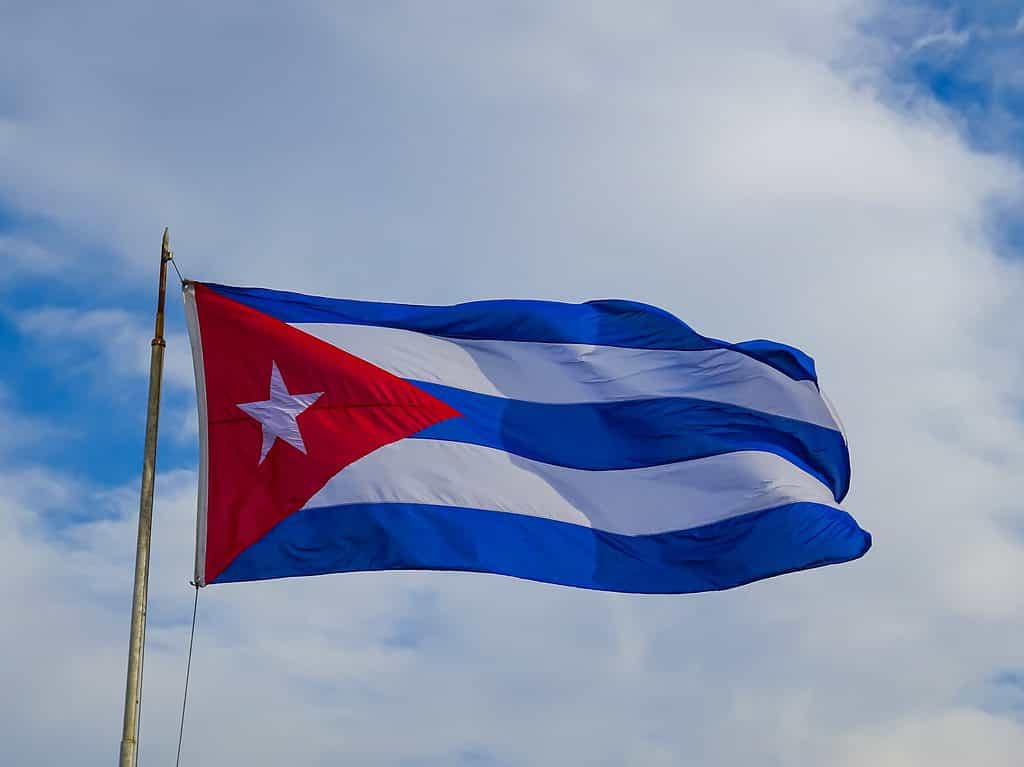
603,445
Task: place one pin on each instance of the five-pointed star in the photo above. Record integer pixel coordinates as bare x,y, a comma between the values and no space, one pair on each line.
278,414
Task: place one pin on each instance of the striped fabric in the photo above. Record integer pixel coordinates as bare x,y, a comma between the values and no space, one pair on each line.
603,445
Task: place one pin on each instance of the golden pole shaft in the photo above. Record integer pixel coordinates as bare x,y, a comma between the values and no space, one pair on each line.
133,687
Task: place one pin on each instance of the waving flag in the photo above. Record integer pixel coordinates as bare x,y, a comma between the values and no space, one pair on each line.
604,445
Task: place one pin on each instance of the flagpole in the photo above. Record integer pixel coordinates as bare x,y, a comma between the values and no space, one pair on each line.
133,687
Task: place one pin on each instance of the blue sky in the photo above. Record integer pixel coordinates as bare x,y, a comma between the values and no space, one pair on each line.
842,176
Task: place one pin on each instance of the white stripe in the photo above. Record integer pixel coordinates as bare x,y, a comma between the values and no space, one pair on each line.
196,342
631,501
567,373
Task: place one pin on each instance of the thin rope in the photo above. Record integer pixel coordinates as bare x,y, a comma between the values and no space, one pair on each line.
188,669
175,265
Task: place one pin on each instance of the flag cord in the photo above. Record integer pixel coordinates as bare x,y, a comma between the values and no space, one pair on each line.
175,265
188,670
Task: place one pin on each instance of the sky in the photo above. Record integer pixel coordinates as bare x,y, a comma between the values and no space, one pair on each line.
844,176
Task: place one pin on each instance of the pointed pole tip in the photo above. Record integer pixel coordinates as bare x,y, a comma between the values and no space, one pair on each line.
165,246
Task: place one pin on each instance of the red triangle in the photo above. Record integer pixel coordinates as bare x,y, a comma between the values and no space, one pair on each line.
361,409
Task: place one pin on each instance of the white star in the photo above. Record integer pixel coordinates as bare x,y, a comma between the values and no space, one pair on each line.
278,414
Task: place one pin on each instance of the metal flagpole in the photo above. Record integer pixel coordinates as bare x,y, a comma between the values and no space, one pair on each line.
133,688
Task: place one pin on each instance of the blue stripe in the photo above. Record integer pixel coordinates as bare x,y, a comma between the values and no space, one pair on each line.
722,555
634,433
604,323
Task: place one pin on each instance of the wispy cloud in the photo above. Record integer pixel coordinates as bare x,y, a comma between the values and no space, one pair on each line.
712,159
21,257
23,435
946,38
104,342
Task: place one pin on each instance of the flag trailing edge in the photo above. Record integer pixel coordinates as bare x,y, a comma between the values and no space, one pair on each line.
602,445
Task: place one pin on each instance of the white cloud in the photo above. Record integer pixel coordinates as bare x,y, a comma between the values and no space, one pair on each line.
948,739
732,162
23,257
105,341
23,434
947,38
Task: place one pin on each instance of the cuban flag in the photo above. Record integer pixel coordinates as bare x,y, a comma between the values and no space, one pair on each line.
603,445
